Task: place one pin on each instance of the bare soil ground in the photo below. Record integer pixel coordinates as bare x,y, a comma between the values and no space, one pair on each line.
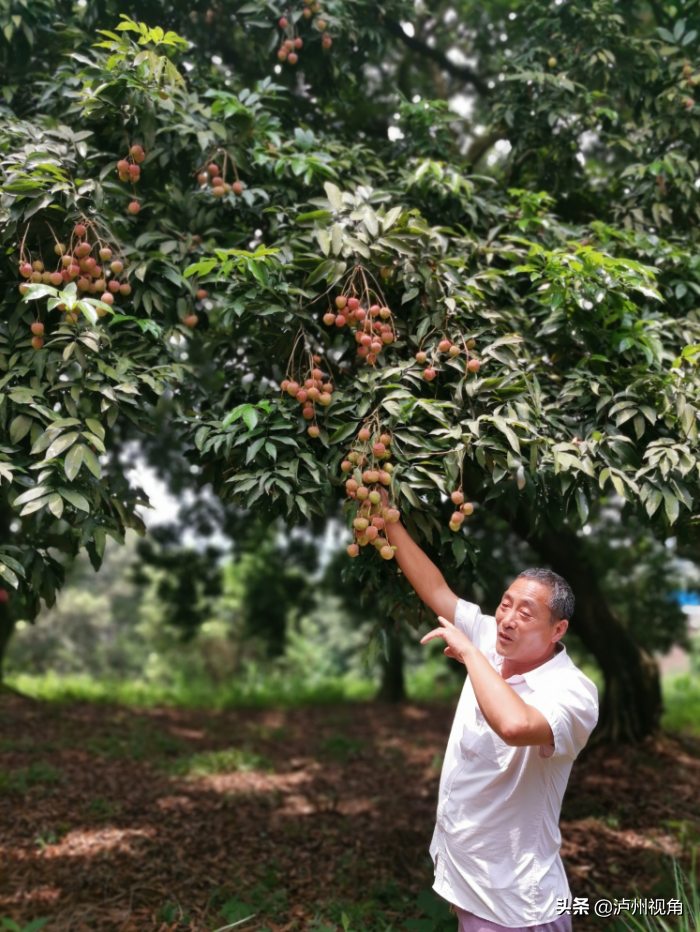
120,820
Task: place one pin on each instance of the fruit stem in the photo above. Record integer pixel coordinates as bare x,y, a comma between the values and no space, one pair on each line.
21,245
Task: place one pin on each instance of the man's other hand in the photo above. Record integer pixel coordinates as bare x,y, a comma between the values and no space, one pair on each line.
457,643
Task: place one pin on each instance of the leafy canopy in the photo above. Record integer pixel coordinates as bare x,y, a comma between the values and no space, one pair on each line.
571,264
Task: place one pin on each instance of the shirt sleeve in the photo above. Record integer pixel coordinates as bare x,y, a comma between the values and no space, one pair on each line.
572,713
470,621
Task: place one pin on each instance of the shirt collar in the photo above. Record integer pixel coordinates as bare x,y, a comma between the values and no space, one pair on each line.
533,678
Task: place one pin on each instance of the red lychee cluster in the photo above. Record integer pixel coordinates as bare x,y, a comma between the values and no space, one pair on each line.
463,510
130,171
309,390
374,323
368,469
453,350
292,41
211,177
191,320
76,262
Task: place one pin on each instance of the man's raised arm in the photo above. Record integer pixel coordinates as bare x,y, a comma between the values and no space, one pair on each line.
421,572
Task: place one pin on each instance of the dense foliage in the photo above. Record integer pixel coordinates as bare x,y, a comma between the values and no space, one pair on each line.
241,193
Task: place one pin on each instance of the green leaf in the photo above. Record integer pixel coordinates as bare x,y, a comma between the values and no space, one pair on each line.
671,505
46,439
582,505
245,411
60,444
55,504
36,505
343,432
91,461
334,195
321,271
9,577
253,449
653,501
73,461
75,499
34,292
619,485
20,427
336,238
36,925
323,241
409,494
30,495
459,549
508,431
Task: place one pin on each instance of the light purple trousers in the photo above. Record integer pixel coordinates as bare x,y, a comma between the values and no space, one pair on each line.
468,922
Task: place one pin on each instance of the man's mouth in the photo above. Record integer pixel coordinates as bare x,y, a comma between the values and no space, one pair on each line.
504,637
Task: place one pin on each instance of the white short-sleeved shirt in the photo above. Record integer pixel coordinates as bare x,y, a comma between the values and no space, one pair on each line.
496,841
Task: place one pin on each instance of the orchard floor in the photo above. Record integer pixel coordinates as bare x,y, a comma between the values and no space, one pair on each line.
119,819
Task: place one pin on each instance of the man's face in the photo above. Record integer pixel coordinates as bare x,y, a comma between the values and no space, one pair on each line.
524,631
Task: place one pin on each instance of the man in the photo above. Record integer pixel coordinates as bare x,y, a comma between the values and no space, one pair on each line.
524,714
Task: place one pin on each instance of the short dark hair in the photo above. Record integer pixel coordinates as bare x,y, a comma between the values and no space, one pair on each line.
561,598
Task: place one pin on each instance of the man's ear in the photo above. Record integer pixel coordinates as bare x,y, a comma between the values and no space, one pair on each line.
559,629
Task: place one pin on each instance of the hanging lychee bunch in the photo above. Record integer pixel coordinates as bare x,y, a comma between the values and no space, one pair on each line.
463,510
291,42
129,170
366,308
367,469
310,386
76,262
453,350
211,177
191,319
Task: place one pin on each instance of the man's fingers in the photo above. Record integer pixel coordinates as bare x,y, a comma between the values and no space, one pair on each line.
431,635
444,622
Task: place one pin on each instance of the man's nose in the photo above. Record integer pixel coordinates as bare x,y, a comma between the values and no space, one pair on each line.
509,619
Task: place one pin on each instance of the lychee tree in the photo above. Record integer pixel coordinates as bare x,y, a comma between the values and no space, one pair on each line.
333,313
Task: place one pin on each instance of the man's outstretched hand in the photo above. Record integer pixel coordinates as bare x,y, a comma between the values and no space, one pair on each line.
458,644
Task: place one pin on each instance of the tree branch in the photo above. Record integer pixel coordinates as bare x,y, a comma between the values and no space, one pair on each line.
463,72
660,15
482,144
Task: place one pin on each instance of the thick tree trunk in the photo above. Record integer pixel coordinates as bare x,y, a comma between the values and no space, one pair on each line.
631,705
7,626
393,688
7,619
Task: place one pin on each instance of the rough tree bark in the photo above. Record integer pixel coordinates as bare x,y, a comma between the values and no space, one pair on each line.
631,705
7,627
393,687
7,620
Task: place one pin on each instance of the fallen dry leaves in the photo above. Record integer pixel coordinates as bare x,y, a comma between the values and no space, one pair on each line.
102,835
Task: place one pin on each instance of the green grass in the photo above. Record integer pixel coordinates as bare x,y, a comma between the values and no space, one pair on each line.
687,890
19,782
682,704
230,760
273,690
138,744
339,748
13,926
252,690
